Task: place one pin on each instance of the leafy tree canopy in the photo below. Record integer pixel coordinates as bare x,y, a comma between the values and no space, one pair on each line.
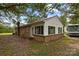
13,11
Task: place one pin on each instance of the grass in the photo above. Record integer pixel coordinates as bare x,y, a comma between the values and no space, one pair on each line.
59,47
15,46
5,33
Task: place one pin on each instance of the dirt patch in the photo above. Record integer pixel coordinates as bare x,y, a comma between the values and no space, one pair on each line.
76,45
13,45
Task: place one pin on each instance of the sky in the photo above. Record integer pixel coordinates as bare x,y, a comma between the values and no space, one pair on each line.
56,13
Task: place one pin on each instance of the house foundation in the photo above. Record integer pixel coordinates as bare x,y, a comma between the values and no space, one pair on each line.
48,38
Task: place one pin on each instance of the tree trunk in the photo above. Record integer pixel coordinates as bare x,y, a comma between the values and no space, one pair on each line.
18,28
63,29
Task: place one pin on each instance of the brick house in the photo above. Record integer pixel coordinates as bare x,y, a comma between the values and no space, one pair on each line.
45,30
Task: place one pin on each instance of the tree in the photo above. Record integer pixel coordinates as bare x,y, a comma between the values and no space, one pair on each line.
17,9
12,8
75,13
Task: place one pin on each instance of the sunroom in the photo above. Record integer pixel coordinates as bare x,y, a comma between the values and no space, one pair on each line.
43,30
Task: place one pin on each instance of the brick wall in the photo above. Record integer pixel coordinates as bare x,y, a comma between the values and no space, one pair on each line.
53,37
24,32
39,38
48,38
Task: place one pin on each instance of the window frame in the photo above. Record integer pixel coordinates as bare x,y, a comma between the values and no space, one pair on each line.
39,30
49,30
60,30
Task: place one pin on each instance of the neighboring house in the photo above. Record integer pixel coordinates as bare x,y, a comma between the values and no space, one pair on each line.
43,30
72,29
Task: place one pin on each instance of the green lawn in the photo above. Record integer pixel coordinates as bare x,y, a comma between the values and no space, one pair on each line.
12,45
5,33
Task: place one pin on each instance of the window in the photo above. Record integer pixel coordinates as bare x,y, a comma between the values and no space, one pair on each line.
39,30
59,30
73,28
51,30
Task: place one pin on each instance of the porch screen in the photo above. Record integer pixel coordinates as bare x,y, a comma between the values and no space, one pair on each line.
39,30
51,30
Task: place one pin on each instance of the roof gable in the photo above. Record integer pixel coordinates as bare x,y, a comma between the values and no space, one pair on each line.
53,21
55,18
